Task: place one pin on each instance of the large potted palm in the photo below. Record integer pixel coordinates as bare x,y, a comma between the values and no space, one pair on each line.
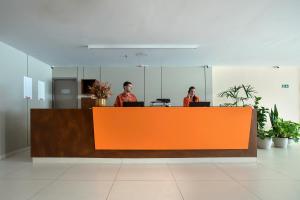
264,138
238,95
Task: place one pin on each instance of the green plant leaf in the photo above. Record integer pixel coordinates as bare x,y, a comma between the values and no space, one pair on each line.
235,95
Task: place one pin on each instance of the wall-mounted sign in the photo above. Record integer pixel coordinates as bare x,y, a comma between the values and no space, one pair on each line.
65,91
285,85
27,87
41,90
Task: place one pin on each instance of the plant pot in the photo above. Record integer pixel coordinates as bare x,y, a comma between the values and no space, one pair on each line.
281,142
264,143
100,102
291,141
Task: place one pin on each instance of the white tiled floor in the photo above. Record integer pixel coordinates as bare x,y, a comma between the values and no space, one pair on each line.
276,175
144,172
91,172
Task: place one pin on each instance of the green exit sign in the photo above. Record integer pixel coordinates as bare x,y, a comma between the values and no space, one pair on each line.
285,86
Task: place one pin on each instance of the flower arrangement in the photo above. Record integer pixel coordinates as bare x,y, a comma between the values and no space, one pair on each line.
100,90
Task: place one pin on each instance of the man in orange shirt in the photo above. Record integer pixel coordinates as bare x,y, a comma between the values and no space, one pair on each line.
125,96
191,97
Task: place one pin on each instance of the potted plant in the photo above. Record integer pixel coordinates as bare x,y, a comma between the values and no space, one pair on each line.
100,91
293,130
280,134
279,129
284,132
239,95
264,138
278,137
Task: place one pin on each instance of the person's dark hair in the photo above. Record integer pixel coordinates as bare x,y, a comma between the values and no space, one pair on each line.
126,83
192,88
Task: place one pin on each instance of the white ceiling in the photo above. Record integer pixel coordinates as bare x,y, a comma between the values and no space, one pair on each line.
229,32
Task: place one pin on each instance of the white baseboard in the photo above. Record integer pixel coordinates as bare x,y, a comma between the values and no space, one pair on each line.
144,160
7,155
76,160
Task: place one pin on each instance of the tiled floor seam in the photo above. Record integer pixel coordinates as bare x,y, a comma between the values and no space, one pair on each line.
114,180
235,180
52,181
11,172
278,171
41,190
177,186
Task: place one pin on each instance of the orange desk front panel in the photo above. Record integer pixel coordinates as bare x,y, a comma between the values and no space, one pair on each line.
173,128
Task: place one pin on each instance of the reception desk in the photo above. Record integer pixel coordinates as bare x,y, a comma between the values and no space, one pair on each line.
148,132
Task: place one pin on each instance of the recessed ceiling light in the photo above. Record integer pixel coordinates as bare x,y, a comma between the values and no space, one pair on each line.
142,46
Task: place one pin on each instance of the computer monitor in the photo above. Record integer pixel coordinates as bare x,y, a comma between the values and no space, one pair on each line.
164,100
200,104
134,104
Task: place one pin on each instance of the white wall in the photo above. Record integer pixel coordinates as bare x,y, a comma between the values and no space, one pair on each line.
176,81
43,72
39,71
153,87
150,83
267,82
14,109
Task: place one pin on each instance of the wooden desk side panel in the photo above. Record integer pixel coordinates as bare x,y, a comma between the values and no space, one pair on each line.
62,133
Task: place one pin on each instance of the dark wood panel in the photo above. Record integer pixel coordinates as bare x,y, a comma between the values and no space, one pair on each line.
62,133
69,133
87,102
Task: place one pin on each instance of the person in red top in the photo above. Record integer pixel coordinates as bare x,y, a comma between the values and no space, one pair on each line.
191,97
125,96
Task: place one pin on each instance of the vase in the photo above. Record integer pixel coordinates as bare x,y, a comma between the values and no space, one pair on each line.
281,142
264,143
100,102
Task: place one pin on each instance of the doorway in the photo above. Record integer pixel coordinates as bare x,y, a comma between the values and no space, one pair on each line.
65,93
